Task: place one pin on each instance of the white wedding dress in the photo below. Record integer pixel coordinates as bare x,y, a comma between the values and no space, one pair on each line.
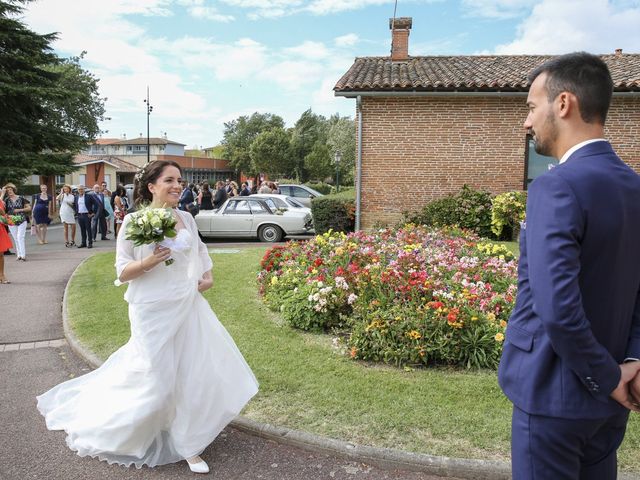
168,393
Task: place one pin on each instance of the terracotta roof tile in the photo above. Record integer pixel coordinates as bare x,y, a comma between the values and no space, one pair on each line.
489,73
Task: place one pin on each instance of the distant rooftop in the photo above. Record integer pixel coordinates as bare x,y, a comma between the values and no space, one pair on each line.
136,141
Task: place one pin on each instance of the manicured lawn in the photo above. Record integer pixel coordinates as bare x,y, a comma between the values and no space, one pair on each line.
305,384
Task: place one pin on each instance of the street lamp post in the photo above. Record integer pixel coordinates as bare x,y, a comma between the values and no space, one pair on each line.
149,110
337,158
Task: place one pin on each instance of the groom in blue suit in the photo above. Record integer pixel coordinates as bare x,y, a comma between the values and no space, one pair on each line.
572,340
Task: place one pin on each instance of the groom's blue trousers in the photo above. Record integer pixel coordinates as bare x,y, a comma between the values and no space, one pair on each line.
547,448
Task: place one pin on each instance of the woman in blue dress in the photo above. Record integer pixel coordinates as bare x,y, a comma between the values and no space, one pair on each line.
41,214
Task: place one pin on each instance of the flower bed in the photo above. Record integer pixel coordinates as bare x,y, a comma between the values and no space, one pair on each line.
412,296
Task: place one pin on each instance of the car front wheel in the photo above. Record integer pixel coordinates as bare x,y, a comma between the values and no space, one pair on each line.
270,233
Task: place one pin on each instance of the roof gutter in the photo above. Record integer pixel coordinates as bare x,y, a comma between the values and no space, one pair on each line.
359,163
456,93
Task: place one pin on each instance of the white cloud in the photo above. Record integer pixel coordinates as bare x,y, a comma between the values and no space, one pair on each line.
500,9
597,26
309,49
348,40
279,8
209,13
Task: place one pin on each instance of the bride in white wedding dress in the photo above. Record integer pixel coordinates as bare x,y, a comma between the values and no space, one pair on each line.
167,394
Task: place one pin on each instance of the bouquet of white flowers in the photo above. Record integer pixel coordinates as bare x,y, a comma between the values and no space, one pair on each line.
151,225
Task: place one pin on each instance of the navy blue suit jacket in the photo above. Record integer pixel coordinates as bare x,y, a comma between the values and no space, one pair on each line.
577,312
90,201
186,197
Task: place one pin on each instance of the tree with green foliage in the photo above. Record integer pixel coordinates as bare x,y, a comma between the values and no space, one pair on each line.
342,136
271,153
239,134
308,130
318,163
49,107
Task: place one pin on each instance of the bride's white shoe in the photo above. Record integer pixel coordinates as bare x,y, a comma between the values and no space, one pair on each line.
198,465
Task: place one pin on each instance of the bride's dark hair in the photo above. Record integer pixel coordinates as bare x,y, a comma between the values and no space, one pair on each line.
149,174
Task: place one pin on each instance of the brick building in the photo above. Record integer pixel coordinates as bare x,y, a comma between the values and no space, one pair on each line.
430,124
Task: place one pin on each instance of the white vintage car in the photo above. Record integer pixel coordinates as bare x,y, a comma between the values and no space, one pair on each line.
253,217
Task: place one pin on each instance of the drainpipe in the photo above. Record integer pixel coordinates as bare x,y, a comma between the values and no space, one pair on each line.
359,162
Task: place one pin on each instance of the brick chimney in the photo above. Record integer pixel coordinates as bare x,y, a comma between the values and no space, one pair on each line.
618,52
400,38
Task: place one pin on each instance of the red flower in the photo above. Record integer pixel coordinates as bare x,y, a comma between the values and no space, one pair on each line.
317,262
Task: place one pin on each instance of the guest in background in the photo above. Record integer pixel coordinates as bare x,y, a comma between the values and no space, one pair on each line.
186,197
17,205
86,206
108,205
5,241
205,197
99,220
66,199
244,191
264,188
121,205
41,214
220,196
233,191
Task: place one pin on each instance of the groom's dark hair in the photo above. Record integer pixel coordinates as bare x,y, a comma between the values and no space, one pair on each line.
583,74
149,174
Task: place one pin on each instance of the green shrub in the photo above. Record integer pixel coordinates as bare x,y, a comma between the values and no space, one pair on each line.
508,211
323,188
333,212
470,209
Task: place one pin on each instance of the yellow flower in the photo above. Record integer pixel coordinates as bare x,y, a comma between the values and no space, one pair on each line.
473,319
274,280
499,337
491,317
414,334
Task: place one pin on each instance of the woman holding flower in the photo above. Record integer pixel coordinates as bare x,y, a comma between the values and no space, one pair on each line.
166,394
5,241
20,207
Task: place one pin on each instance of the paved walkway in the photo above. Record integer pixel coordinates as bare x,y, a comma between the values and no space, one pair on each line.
34,357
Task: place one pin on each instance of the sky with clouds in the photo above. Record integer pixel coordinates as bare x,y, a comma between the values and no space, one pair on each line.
207,62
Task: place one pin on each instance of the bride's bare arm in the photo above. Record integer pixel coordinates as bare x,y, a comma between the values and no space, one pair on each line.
136,268
206,282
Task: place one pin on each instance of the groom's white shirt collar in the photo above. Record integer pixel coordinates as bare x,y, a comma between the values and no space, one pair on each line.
578,146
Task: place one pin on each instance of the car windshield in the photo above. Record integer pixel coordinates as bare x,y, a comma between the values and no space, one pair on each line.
294,203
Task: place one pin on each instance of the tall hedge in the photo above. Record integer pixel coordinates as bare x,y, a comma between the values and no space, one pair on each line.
333,212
